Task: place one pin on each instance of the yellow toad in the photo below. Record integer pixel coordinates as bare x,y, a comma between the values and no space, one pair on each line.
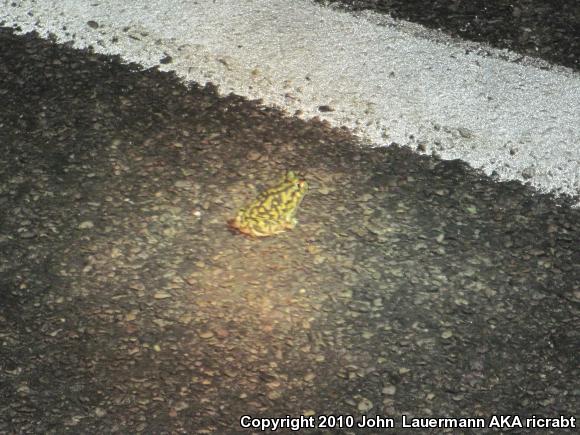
274,210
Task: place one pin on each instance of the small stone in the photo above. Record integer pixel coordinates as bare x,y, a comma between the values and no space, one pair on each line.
169,232
23,389
180,406
389,390
313,249
528,173
206,335
182,184
185,319
100,412
137,286
161,323
447,334
161,295
27,235
345,294
388,402
86,225
365,405
222,333
253,155
465,132
319,259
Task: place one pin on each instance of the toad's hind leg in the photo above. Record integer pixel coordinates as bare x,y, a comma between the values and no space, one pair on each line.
290,223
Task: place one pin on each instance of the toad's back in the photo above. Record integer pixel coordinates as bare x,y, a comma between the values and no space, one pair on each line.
274,210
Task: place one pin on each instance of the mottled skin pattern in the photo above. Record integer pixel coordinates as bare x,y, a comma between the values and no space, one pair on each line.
274,210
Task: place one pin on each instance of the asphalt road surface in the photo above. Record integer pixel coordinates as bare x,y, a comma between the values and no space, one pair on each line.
412,288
